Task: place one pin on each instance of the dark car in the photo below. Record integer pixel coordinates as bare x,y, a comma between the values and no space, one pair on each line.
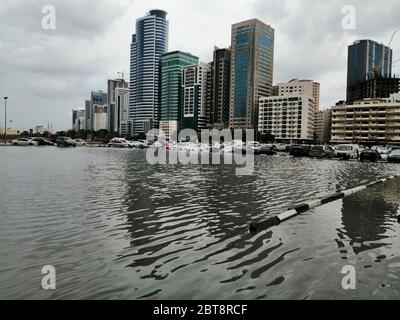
43,141
66,142
269,151
322,152
300,150
394,156
370,155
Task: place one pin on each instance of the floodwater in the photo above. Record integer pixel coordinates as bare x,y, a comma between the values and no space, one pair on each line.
115,227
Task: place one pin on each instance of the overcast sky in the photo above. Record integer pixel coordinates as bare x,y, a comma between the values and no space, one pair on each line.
46,73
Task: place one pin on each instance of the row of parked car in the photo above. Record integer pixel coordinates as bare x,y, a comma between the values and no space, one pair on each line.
40,141
346,151
69,142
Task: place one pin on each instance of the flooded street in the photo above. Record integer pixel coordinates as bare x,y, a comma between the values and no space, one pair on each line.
115,227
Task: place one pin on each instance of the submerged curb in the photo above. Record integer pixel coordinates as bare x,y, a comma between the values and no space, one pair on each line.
301,208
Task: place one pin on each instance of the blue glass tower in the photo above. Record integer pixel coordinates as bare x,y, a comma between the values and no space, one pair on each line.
367,60
251,71
148,45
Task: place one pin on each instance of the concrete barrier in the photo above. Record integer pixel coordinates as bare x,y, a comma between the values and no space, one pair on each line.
301,208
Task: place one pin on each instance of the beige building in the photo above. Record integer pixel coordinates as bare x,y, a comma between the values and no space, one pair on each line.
169,127
296,86
100,121
322,126
370,119
287,117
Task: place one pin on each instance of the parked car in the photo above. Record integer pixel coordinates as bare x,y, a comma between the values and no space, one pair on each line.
43,141
65,142
265,149
322,152
143,144
80,142
300,150
251,144
347,151
394,156
370,155
118,143
384,152
24,142
282,147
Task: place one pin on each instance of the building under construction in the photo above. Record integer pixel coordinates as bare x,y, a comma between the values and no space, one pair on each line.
379,87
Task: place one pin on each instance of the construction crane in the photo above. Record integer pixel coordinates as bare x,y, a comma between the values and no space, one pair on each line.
391,39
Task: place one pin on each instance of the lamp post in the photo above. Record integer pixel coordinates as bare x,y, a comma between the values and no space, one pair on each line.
5,120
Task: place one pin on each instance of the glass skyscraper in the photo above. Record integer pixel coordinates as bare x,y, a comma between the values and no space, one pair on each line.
196,96
367,60
171,93
148,45
251,71
220,73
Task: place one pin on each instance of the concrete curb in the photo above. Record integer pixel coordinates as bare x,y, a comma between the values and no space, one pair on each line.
301,208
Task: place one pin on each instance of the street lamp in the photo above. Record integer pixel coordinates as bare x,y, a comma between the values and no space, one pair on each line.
5,120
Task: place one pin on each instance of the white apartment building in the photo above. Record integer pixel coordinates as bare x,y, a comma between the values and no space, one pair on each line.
370,119
121,109
196,85
287,117
295,86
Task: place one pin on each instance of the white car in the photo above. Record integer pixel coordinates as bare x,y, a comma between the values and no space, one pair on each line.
24,142
253,144
348,151
80,142
118,143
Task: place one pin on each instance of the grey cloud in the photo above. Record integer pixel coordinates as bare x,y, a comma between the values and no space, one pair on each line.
311,42
74,18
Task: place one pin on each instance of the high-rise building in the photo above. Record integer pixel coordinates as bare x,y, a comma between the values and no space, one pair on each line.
149,43
308,87
88,115
375,88
251,71
322,126
287,117
121,111
221,76
196,96
112,94
98,109
78,119
367,120
172,64
367,60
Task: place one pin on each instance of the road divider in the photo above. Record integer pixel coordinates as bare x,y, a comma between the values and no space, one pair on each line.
301,208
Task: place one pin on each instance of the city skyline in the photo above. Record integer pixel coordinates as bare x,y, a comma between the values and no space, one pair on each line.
56,80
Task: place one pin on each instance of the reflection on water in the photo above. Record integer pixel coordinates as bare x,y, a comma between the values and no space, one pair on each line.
116,227
368,216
